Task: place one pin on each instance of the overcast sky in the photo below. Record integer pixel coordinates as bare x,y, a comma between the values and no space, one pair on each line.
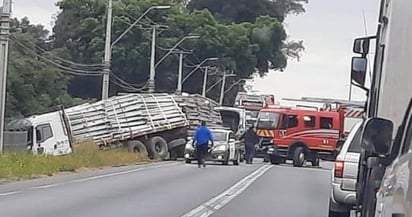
327,28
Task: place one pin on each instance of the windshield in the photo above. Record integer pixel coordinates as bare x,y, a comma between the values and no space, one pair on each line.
230,119
219,136
251,114
355,144
268,120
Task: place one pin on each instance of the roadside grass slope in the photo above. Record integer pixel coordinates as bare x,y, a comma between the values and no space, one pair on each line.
85,156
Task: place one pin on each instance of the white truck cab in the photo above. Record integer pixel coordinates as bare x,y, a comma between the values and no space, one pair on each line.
46,134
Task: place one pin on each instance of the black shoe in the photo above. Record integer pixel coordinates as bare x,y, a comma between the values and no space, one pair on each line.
204,165
198,166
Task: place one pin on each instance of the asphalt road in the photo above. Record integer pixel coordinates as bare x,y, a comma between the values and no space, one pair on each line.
173,190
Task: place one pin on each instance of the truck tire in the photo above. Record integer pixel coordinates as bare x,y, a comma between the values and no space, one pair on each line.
158,146
137,146
298,157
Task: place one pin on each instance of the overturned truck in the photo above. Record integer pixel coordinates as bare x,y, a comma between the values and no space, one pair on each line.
153,124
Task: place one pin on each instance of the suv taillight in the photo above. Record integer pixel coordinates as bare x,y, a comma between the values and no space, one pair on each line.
339,169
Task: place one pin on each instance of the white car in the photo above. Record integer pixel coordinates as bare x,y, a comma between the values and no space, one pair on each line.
344,175
226,149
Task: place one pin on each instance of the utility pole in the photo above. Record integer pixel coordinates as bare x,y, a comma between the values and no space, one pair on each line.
179,79
151,82
109,45
179,88
205,81
4,51
222,89
107,52
152,78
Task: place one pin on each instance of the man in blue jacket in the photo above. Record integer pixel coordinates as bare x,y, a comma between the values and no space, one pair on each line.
201,139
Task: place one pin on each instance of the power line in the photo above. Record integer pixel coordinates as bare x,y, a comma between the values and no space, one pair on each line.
129,84
126,85
65,60
58,66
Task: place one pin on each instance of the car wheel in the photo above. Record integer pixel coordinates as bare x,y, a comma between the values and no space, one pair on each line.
236,162
226,161
298,157
242,156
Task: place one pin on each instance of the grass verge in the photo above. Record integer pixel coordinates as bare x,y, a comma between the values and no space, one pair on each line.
85,156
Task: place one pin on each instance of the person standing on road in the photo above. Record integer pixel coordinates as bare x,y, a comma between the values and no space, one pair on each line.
251,139
201,139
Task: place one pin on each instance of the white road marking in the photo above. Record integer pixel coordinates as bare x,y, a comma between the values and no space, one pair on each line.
44,186
214,204
88,179
9,193
120,173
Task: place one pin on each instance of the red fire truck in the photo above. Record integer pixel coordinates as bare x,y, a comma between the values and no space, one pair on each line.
301,134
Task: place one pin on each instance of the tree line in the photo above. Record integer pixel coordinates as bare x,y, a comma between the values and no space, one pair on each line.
64,67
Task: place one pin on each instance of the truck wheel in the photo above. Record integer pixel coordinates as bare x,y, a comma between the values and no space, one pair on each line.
298,157
158,146
137,146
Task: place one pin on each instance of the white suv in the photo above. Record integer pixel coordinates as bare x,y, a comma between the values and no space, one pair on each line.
344,175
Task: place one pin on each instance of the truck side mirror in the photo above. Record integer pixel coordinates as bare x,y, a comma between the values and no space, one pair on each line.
361,46
358,72
377,136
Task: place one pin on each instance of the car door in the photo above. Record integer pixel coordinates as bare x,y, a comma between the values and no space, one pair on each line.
395,196
232,146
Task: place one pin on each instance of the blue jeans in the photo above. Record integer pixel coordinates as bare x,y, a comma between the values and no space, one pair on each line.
201,151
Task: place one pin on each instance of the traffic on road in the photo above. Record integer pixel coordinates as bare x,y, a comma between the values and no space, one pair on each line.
198,154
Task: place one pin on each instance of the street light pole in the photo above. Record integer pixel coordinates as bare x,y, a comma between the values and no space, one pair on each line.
179,79
109,45
222,90
151,81
152,78
4,51
205,81
107,52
